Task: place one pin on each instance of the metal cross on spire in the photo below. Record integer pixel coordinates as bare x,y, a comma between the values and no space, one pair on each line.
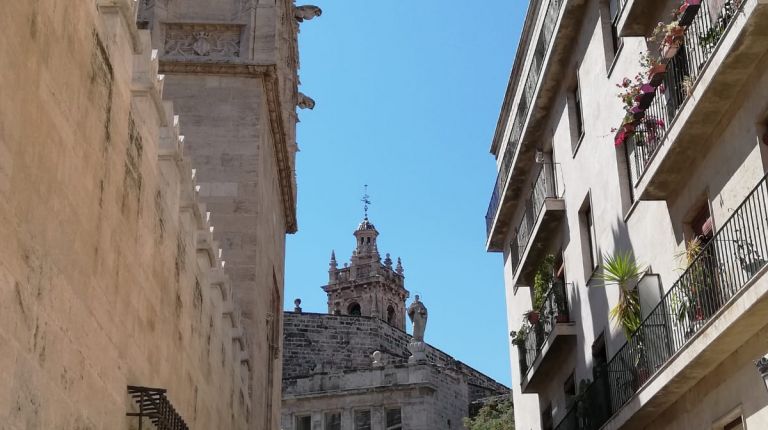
366,201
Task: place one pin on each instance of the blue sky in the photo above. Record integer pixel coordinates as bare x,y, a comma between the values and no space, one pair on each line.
408,95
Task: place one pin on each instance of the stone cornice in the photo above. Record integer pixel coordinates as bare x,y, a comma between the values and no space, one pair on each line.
268,74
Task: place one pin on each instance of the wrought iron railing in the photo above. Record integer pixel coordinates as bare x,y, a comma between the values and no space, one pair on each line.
543,188
154,406
701,38
721,269
523,108
552,311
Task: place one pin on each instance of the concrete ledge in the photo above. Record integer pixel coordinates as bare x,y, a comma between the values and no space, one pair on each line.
562,339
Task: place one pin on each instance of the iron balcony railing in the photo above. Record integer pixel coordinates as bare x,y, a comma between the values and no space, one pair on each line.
523,108
725,265
543,188
554,310
155,407
701,38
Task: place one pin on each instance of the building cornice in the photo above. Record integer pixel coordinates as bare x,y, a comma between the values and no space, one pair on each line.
268,74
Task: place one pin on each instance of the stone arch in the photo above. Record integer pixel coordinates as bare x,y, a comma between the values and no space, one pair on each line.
354,309
390,315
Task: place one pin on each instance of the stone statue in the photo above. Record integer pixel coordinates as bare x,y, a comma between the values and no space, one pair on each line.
306,12
417,312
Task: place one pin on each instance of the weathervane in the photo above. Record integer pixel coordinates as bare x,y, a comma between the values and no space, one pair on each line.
366,201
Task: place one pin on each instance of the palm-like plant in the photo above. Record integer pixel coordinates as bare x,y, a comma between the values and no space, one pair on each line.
621,269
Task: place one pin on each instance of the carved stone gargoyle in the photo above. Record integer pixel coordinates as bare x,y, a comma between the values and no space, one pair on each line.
305,102
306,12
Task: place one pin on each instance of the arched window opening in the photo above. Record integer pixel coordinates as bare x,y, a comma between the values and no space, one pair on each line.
390,315
354,309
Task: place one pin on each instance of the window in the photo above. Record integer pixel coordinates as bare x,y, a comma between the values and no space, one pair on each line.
354,309
333,421
390,315
614,10
578,110
737,424
589,236
394,419
362,420
304,423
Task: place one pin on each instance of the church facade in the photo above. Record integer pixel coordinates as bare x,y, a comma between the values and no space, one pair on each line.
354,367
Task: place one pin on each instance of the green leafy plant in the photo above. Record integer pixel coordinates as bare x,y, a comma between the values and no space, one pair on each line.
518,338
623,271
542,281
497,415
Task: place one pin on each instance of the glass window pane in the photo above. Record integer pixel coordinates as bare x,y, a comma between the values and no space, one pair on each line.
394,419
362,420
304,423
333,421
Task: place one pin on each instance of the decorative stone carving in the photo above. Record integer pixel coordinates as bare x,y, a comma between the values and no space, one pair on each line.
378,360
297,306
202,41
306,12
305,102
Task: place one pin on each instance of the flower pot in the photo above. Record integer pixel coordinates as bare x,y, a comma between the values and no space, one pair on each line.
629,128
688,11
562,318
637,112
644,99
657,74
669,49
533,317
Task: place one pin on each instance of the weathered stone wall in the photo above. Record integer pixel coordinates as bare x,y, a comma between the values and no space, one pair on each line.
429,397
230,68
109,275
318,343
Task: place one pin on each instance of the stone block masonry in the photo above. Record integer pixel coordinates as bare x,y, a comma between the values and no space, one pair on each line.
321,343
109,273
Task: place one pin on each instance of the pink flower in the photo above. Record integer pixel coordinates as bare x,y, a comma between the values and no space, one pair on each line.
620,137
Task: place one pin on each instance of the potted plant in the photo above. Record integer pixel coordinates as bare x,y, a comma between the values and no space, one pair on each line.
647,93
532,316
670,38
518,337
622,270
655,69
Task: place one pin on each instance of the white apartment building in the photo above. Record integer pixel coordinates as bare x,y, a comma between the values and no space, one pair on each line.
584,176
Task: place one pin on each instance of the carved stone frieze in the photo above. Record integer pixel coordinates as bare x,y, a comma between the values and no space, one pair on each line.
201,42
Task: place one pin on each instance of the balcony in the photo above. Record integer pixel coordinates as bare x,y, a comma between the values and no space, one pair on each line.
638,17
543,212
551,47
547,340
718,303
702,80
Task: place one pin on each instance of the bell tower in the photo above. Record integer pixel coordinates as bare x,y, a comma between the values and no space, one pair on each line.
367,286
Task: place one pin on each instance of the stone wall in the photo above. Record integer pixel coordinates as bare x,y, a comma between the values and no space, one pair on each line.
109,275
320,343
231,69
428,396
